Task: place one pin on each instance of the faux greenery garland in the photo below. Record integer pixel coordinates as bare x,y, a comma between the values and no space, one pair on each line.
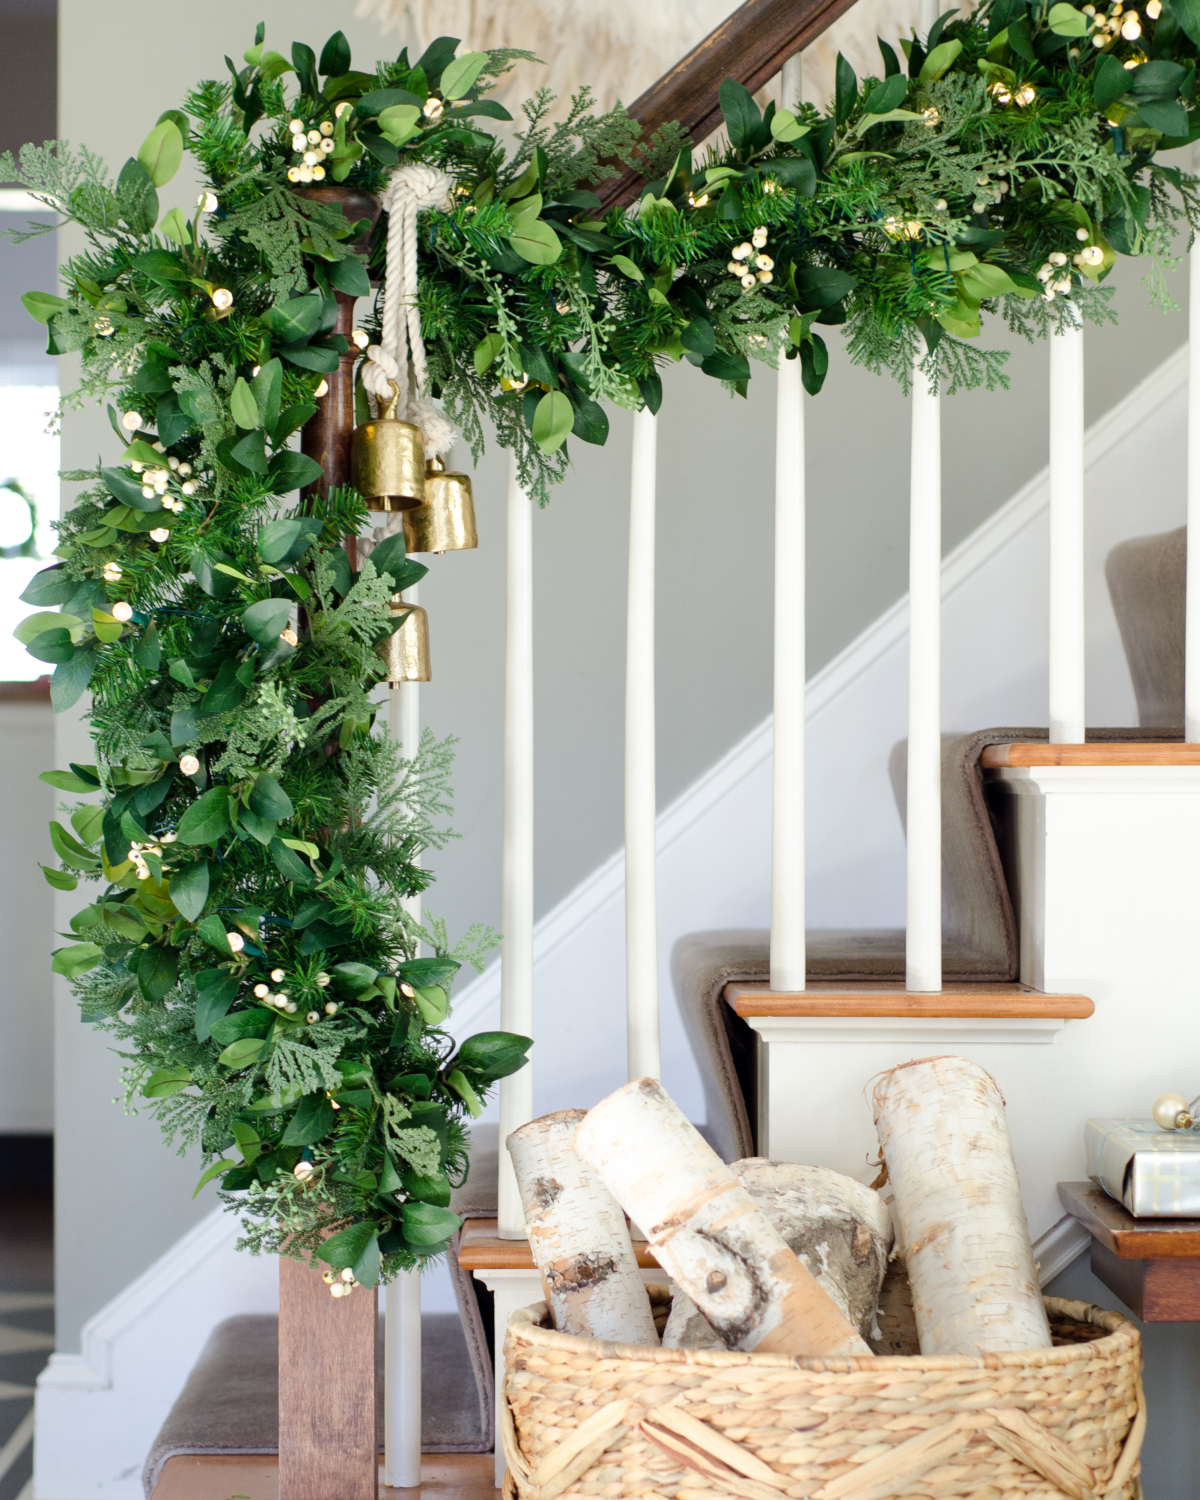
255,835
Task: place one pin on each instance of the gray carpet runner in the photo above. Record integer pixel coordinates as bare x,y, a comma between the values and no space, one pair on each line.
230,1403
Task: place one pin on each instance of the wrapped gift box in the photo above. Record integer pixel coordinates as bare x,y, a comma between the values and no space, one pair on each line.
1154,1173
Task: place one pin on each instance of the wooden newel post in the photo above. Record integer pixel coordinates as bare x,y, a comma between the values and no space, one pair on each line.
328,1442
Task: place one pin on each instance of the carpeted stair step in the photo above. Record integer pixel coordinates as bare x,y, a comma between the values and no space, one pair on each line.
230,1403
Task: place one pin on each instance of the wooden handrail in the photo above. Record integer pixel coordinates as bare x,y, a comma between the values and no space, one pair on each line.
751,46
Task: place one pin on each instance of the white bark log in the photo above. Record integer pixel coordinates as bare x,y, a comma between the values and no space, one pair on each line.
705,1229
578,1236
840,1230
944,1139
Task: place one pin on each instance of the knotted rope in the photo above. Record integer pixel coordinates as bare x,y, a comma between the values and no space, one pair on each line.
412,187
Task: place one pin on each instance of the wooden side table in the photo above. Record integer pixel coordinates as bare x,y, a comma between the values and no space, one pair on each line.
1153,1265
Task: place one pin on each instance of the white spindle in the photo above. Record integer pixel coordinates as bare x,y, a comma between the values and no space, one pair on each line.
402,1381
402,1297
923,941
516,954
787,765
1066,539
641,879
1191,659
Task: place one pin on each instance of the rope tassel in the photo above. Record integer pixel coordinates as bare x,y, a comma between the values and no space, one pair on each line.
400,355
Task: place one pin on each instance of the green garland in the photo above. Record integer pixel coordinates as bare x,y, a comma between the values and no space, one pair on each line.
254,834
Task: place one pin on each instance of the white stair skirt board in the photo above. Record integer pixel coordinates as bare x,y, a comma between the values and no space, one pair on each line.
98,1411
714,840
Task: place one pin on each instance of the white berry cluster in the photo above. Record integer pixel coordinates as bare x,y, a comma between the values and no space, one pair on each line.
1053,277
282,1001
989,193
749,264
312,144
138,853
340,1283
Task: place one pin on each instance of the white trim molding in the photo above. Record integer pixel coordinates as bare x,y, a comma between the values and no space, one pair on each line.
1061,1244
944,1031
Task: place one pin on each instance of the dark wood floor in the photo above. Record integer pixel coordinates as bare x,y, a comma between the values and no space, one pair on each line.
26,1326
444,1476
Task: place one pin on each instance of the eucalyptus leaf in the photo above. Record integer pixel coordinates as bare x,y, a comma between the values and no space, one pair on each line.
535,241
939,61
1065,20
742,116
269,800
164,1082
206,821
296,319
189,889
289,470
553,419
158,969
458,77
266,620
161,153
312,1122
244,407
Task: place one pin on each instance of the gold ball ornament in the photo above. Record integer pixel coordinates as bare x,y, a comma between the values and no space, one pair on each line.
303,1170
1170,1112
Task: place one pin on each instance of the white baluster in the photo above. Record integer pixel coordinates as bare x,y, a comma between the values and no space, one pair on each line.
1191,678
787,765
402,1381
641,879
516,954
1066,539
923,940
402,1297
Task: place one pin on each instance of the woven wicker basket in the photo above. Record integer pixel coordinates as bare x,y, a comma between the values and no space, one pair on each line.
588,1418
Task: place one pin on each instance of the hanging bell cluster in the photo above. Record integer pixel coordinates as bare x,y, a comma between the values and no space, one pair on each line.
446,520
406,651
387,460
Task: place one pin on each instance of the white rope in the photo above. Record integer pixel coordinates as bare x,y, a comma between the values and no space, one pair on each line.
412,187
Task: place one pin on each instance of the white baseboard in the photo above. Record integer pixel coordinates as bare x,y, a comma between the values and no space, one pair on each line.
1061,1244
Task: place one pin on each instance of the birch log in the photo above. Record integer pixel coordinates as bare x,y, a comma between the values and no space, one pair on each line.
578,1236
944,1139
705,1228
838,1228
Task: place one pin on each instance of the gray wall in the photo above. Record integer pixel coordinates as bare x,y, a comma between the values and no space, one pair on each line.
122,1199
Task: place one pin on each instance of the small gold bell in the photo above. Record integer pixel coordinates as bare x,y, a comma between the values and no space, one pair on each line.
446,521
406,651
387,460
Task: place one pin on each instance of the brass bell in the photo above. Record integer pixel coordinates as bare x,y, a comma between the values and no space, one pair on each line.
406,651
387,460
446,521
